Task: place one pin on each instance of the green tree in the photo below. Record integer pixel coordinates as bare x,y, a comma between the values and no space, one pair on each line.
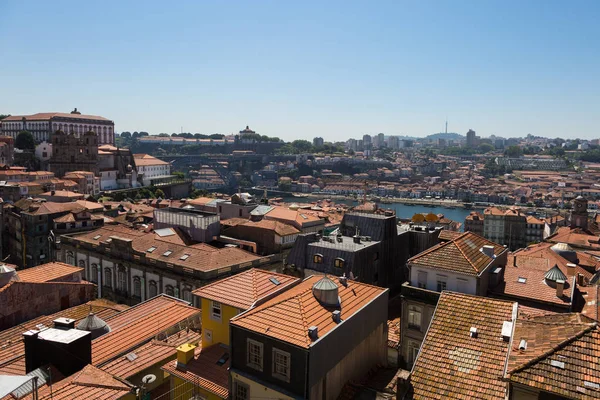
2,116
486,148
513,152
302,146
159,193
25,141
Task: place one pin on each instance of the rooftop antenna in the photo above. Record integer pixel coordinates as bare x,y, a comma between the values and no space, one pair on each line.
446,124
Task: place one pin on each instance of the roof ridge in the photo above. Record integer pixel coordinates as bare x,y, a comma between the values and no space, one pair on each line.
463,254
553,349
302,313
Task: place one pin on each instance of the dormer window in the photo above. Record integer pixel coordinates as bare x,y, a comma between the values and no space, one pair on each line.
318,258
339,262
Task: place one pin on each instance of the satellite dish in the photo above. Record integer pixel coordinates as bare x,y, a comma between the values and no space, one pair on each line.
149,378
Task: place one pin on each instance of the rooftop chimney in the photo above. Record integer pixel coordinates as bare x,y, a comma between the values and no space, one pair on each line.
337,316
507,330
64,323
356,239
473,332
313,333
488,250
185,353
560,285
571,269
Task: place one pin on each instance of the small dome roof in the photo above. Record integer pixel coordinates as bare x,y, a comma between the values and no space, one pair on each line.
326,292
93,324
555,274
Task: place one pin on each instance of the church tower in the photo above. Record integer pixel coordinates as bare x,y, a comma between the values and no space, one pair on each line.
579,214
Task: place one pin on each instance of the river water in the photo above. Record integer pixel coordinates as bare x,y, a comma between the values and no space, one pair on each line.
402,210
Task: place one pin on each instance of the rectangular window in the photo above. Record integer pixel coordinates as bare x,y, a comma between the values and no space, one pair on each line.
422,280
281,365
255,354
241,391
415,314
215,310
413,351
441,283
462,285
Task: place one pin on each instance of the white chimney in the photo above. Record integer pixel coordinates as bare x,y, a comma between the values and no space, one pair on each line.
560,285
473,332
507,330
488,250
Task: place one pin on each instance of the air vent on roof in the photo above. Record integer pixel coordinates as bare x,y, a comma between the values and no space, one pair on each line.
223,359
274,281
151,249
167,253
131,356
473,332
313,333
507,330
557,364
184,257
337,316
523,344
591,385
97,237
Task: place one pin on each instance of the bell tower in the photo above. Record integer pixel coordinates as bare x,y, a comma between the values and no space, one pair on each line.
579,214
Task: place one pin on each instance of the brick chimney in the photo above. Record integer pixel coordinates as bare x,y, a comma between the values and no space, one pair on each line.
560,286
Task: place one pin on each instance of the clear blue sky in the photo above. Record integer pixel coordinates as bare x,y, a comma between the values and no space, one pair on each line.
299,69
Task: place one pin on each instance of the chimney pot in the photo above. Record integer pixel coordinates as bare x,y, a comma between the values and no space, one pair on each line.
337,316
560,285
313,332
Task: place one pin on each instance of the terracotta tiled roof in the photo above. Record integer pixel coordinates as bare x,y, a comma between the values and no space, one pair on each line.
144,160
204,371
149,354
576,238
89,383
12,350
202,257
393,333
561,356
446,235
54,271
280,228
462,254
545,255
47,116
298,217
139,324
454,365
527,281
246,288
288,315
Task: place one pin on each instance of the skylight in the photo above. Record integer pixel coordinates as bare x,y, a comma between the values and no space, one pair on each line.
131,356
522,280
274,281
557,364
151,249
184,257
167,253
223,359
303,216
97,237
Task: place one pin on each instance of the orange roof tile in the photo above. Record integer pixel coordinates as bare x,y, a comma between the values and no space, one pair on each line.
139,324
54,271
561,357
149,354
204,371
246,288
462,254
288,315
451,363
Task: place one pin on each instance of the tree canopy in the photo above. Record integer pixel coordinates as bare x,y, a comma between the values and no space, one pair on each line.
25,141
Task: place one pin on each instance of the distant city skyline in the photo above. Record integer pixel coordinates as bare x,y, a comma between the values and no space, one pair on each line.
302,70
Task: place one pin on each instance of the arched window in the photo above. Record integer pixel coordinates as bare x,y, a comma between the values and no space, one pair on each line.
339,262
318,258
121,279
70,258
153,289
169,290
82,265
137,287
94,277
107,277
